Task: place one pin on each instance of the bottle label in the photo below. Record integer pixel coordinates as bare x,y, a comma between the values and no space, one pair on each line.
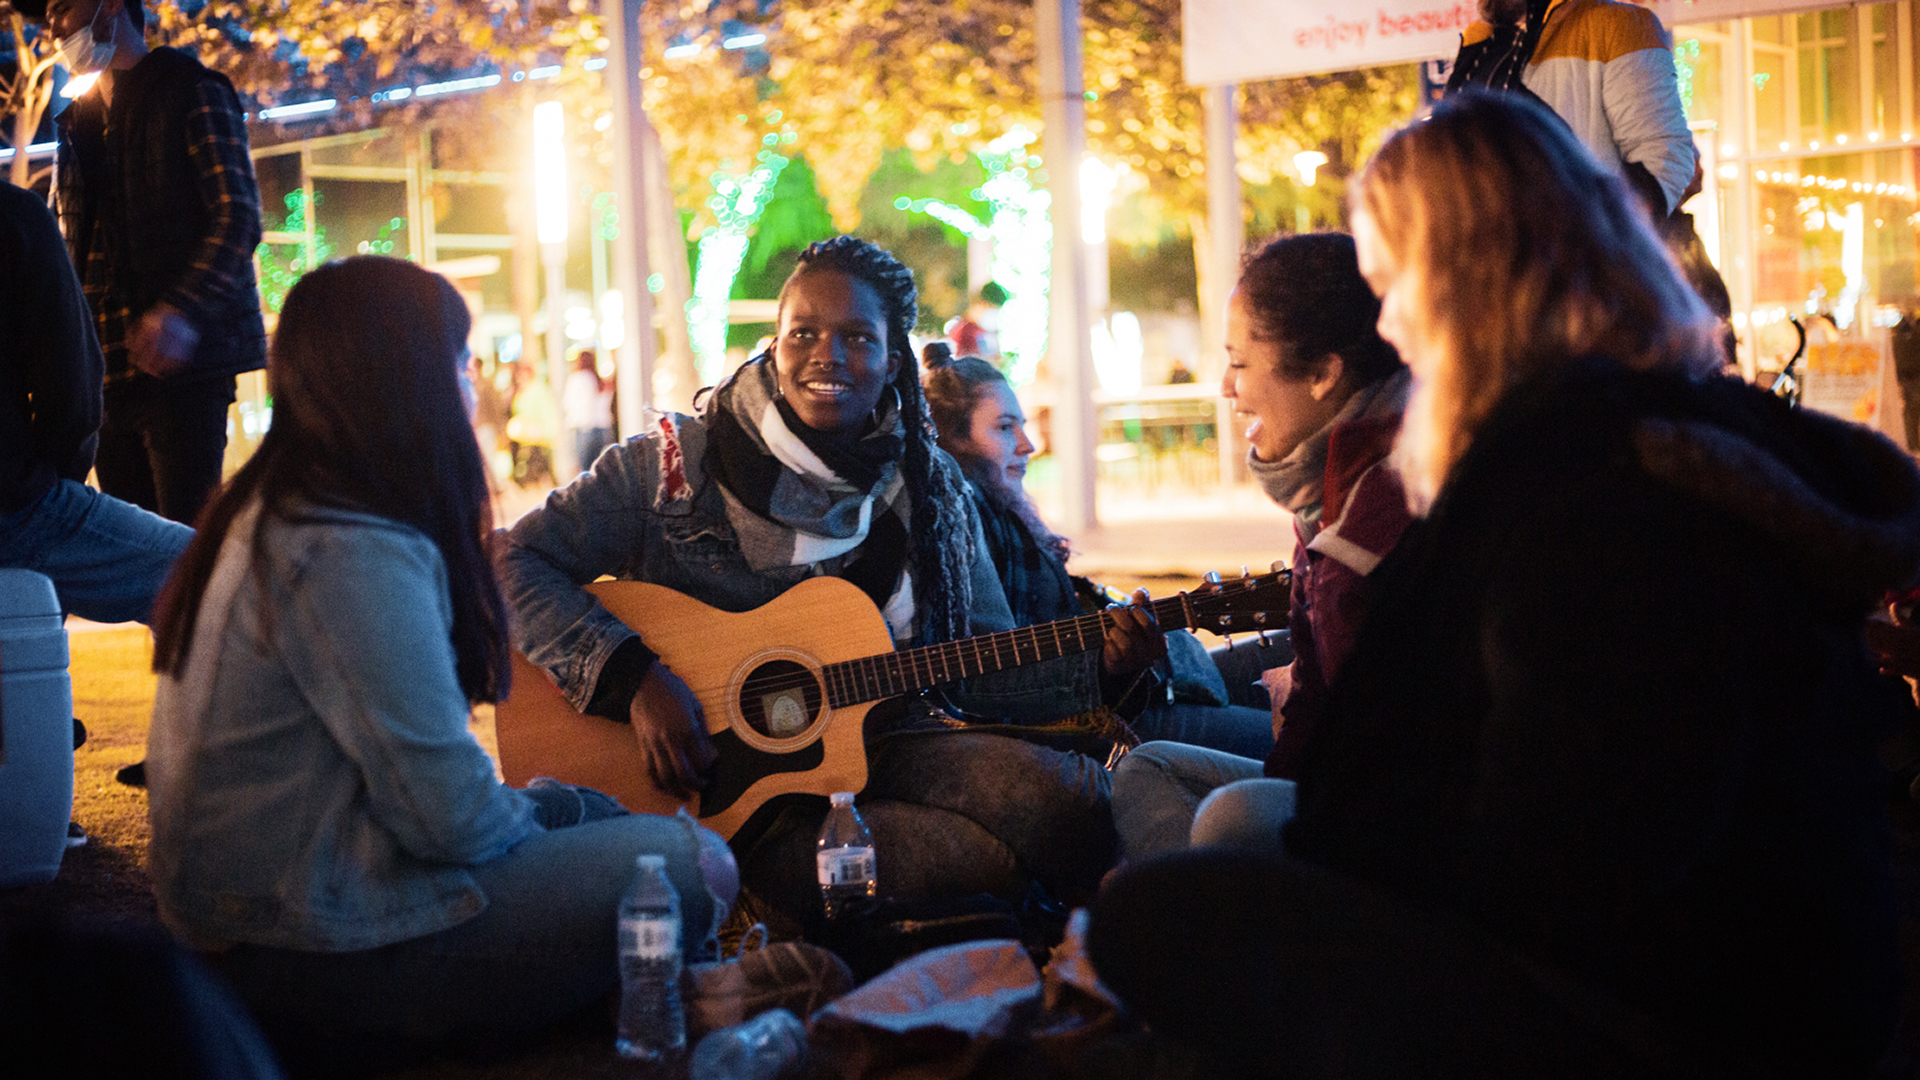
649,939
844,866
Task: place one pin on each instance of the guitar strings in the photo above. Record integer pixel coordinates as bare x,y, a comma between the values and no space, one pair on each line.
1005,644
889,667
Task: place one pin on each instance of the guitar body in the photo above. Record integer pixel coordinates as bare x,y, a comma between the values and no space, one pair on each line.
766,704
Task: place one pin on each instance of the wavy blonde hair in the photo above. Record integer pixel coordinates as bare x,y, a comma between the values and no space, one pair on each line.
1522,255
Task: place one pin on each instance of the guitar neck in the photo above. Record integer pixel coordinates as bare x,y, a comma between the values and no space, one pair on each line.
909,671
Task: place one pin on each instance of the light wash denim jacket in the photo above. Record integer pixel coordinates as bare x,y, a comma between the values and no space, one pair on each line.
633,520
328,793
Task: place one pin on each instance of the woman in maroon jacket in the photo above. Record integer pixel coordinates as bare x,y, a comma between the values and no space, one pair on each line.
1321,393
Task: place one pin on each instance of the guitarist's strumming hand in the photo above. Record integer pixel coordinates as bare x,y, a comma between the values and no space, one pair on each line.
1133,638
672,729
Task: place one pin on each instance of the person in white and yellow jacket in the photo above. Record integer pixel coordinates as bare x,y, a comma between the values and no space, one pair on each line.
1604,67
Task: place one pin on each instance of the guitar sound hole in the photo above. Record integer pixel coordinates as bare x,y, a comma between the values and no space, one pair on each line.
780,699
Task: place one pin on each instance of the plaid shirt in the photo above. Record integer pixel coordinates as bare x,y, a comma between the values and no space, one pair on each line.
223,262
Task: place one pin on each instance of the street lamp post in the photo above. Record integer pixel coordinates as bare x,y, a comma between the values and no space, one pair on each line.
550,228
632,165
1069,337
1226,235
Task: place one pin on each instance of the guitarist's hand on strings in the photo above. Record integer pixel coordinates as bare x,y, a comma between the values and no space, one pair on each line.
672,729
1133,638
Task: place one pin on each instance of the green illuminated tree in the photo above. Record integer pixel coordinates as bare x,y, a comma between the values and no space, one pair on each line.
27,90
941,78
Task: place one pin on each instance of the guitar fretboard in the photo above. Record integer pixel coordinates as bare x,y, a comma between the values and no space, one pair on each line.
871,678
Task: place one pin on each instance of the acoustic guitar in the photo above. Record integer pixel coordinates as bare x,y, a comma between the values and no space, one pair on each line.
787,717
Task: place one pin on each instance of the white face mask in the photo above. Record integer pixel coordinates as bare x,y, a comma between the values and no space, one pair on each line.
82,55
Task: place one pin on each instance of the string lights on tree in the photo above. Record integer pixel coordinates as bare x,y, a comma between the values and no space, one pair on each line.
1022,236
737,203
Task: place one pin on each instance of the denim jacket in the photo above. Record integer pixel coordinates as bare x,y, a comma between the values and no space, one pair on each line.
638,517
313,781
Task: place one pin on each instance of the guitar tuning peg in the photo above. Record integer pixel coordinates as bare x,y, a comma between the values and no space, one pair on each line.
1228,638
1211,577
1278,565
1246,573
1264,643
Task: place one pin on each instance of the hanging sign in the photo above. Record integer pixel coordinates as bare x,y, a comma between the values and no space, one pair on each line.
1236,41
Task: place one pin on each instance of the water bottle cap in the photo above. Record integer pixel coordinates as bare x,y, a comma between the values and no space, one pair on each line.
652,862
842,798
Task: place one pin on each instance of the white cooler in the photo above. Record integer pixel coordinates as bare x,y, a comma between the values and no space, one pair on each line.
36,730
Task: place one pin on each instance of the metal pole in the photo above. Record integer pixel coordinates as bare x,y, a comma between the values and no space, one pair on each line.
555,258
1064,105
675,379
1226,230
633,360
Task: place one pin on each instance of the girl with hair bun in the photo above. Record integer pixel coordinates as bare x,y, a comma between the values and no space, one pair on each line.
983,428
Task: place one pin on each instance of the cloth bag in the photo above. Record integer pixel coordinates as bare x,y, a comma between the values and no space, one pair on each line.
791,975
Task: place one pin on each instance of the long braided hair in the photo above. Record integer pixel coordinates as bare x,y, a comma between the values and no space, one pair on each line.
940,538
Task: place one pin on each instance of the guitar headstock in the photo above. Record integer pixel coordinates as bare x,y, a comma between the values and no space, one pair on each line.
1246,604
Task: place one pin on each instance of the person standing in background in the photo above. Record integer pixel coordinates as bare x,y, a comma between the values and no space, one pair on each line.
977,333
107,559
1603,67
157,198
586,403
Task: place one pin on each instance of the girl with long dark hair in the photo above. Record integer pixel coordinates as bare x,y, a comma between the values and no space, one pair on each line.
324,824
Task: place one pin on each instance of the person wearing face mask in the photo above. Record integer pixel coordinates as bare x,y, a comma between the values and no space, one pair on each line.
158,202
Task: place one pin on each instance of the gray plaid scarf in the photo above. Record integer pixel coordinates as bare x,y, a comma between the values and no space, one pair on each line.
1298,482
794,511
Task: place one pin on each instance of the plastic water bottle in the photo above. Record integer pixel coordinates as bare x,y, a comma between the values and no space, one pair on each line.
652,1025
844,859
768,1046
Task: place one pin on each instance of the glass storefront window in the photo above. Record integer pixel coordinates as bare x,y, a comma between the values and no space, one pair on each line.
1701,63
1772,81
1817,211
1829,74
1885,90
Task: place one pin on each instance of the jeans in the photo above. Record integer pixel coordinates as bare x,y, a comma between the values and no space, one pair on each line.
162,447
543,948
952,814
1158,788
1242,663
1230,729
107,558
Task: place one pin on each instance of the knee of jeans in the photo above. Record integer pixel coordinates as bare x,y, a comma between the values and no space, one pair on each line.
1136,774
1245,814
718,867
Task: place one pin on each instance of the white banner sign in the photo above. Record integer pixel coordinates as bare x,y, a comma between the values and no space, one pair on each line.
1235,41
